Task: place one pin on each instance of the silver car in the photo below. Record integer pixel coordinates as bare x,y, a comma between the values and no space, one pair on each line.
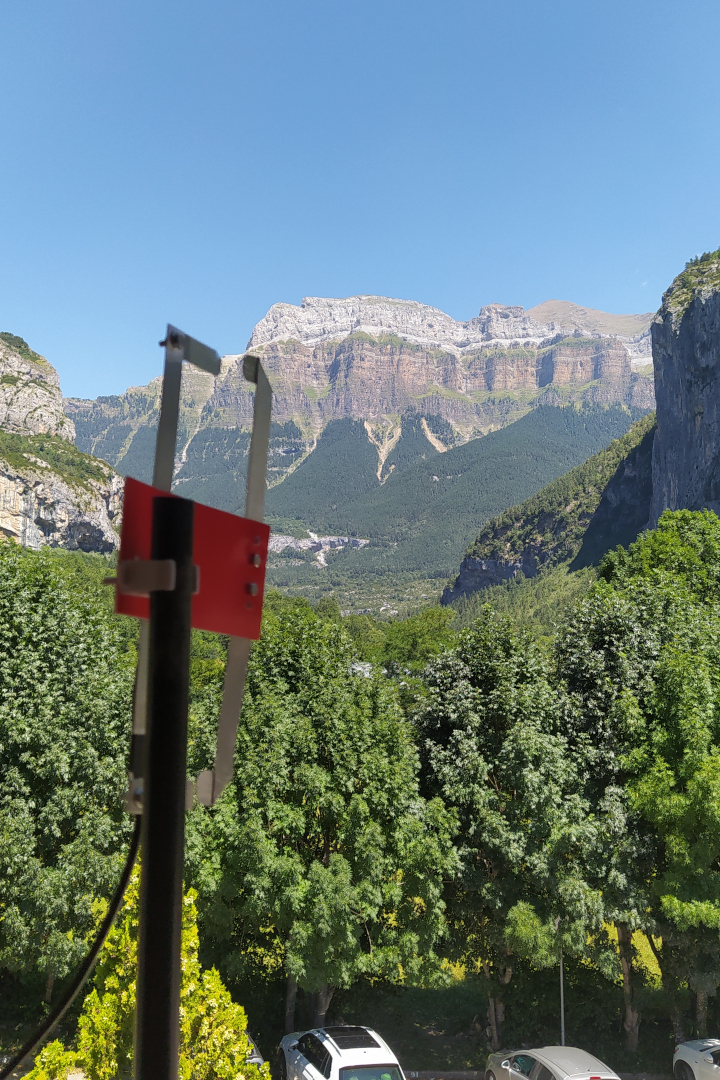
698,1059
548,1063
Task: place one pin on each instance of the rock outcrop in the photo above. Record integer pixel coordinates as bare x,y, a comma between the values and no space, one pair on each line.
39,508
30,398
686,347
375,360
51,494
321,319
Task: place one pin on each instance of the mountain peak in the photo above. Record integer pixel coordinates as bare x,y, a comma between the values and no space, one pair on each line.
320,319
591,320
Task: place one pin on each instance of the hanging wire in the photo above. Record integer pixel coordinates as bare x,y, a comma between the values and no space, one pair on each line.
85,969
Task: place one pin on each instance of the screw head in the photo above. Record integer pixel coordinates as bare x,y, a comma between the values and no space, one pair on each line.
255,560
253,588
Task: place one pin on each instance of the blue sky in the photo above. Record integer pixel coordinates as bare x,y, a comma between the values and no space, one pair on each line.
196,161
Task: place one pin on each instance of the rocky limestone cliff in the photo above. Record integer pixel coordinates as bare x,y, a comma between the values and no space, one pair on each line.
686,347
39,508
50,492
479,390
30,398
374,360
321,319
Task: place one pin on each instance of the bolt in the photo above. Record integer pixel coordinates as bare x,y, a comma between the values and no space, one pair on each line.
253,588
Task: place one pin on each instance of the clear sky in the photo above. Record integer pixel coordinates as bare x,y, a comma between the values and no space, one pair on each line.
196,161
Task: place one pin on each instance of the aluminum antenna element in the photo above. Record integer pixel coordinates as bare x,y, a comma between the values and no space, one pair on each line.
211,783
178,347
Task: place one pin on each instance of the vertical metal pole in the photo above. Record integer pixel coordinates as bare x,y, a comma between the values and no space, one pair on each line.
163,829
562,1002
162,478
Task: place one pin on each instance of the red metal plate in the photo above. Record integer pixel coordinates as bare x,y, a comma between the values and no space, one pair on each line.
224,548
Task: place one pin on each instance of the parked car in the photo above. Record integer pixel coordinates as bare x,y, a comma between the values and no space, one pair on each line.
337,1053
548,1063
254,1057
697,1060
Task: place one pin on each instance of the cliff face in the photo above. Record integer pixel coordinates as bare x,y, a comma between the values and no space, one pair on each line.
367,378
40,508
30,398
367,357
686,347
375,360
50,492
320,319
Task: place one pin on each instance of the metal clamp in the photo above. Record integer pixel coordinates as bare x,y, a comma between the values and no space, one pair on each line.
140,577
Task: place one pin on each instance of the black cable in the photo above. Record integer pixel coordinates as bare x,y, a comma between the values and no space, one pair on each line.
87,965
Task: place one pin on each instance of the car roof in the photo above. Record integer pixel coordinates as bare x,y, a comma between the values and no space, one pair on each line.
572,1061
357,1045
346,1037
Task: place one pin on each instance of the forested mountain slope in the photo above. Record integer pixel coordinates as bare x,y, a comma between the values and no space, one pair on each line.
421,519
575,519
674,466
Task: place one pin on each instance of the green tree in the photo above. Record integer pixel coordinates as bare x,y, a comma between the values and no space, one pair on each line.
410,643
213,1038
322,859
368,635
328,608
65,691
491,749
639,660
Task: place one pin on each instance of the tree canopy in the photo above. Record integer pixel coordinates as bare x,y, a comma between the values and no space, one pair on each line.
640,663
214,1044
323,850
65,690
493,749
526,797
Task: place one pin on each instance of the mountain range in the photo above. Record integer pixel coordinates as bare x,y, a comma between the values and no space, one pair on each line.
392,423
523,437
374,360
669,460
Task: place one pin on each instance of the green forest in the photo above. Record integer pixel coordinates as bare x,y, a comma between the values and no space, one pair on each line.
425,813
421,520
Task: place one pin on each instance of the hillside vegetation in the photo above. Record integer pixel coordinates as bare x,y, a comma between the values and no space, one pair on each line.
538,605
52,454
21,347
422,518
564,521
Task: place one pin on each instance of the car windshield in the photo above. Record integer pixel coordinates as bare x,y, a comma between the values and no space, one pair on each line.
372,1072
